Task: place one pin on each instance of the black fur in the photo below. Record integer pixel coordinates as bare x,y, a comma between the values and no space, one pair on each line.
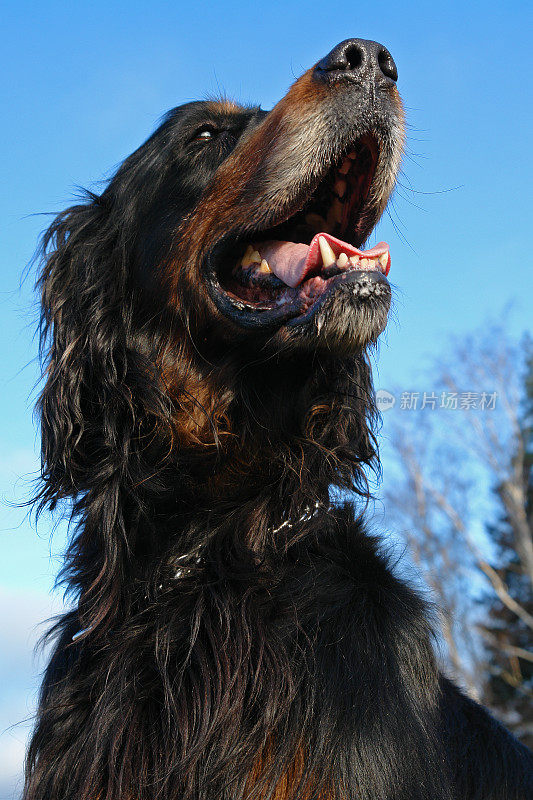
236,634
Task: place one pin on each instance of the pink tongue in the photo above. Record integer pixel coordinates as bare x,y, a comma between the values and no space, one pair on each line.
286,260
291,261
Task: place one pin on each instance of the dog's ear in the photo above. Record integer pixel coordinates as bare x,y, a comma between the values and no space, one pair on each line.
83,347
96,387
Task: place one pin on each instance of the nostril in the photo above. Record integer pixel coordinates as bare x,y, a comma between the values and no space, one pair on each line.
358,61
348,56
387,65
353,57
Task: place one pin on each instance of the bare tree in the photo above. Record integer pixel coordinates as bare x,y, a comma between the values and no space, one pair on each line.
425,471
446,461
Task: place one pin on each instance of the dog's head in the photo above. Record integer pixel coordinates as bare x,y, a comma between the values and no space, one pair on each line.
257,218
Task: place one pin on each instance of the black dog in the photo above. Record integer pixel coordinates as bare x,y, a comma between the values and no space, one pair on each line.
237,634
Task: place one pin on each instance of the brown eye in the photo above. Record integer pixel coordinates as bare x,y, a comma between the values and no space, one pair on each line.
204,134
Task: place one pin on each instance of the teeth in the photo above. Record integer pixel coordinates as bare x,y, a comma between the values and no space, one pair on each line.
342,260
263,267
255,258
328,256
340,187
383,260
354,261
246,259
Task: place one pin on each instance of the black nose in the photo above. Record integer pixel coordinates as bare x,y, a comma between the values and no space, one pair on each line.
357,60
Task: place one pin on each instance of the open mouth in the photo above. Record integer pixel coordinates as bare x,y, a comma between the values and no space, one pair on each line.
286,272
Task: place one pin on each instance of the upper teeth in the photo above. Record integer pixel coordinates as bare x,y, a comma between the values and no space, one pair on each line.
250,257
246,260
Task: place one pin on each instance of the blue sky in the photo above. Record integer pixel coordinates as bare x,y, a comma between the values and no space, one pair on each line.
84,84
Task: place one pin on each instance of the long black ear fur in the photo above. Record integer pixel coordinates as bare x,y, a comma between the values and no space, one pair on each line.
88,411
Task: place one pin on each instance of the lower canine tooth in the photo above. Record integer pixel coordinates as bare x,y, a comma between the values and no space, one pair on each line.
263,267
255,258
328,256
342,260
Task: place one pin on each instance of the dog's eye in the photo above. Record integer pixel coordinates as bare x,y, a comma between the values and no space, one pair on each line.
204,134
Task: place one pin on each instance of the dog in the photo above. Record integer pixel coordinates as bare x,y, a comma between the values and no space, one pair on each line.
208,413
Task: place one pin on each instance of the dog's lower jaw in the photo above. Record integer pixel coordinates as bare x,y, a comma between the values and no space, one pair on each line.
350,320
